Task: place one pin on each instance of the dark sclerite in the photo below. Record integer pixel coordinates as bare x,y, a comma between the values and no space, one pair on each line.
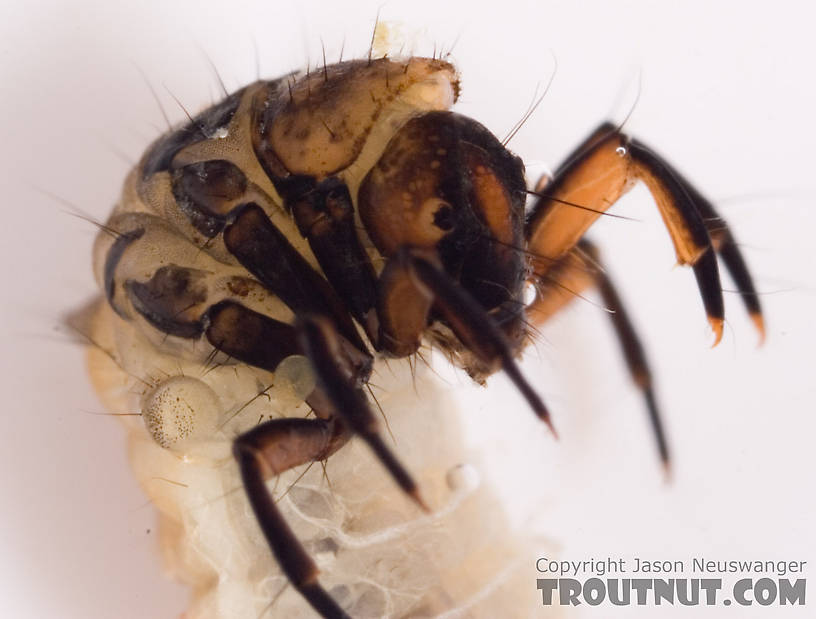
206,192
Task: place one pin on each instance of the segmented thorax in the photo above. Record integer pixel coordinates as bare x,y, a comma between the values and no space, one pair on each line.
205,350
169,262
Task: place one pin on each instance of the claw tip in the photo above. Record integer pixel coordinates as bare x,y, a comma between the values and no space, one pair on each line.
667,471
759,323
717,327
414,494
545,417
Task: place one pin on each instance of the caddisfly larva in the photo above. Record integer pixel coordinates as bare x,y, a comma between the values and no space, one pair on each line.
264,259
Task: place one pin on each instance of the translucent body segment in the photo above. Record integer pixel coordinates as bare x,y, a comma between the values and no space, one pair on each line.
357,525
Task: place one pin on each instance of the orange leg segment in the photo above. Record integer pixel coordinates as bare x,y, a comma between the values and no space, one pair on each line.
602,169
594,177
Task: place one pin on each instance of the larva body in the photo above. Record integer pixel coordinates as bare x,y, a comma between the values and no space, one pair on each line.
162,263
264,259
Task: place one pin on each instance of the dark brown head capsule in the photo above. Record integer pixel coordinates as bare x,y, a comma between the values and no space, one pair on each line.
446,184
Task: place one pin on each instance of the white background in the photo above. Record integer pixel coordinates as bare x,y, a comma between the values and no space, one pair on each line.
727,94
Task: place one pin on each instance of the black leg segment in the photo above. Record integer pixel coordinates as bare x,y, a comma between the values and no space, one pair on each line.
266,451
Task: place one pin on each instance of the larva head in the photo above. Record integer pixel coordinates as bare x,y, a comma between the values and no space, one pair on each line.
446,184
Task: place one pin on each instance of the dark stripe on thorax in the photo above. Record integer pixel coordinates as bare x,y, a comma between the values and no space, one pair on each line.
112,259
266,253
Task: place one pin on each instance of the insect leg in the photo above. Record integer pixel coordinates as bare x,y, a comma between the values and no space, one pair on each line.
266,253
600,171
266,451
264,342
320,341
575,272
250,336
729,253
411,283
632,351
325,217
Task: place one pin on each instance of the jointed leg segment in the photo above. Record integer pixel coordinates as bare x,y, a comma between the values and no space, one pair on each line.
320,342
728,251
412,283
572,275
601,170
266,451
632,350
281,444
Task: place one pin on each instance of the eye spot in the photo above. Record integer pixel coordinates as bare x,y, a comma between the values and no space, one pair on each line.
443,217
